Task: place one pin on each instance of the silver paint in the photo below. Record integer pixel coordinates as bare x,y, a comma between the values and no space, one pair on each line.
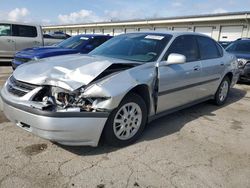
72,72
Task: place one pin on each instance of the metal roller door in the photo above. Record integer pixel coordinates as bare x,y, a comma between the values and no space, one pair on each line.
89,31
161,29
204,30
98,31
230,33
74,32
118,31
145,29
181,29
108,32
130,30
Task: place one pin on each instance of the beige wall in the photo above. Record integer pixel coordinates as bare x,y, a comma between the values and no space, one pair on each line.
191,27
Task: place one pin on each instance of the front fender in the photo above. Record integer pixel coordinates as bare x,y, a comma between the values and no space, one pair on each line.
115,87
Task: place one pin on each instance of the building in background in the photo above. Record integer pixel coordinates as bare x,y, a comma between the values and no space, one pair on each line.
221,27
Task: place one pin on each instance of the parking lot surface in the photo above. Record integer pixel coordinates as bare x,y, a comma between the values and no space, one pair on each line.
202,146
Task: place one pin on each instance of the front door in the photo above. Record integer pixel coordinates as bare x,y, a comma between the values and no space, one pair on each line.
179,84
7,43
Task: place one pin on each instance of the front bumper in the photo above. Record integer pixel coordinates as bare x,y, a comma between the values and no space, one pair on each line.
245,74
15,64
67,128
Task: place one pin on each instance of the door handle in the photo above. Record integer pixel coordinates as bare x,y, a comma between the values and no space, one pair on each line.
197,68
222,64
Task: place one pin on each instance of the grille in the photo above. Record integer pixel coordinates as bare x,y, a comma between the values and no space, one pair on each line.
19,88
22,60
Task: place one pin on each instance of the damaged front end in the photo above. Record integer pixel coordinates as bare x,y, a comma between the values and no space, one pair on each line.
60,100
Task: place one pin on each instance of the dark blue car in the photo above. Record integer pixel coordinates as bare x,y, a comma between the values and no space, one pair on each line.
241,49
77,44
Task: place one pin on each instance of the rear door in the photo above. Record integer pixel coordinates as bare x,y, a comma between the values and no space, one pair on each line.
213,65
179,83
26,36
7,43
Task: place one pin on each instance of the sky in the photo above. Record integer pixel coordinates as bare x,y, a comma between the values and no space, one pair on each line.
50,12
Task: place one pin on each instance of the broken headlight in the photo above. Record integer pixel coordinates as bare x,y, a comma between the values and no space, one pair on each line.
61,100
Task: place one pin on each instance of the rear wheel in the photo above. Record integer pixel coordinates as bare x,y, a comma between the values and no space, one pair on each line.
127,122
222,92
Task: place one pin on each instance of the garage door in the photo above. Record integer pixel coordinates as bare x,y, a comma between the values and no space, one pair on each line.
69,32
98,31
130,30
118,31
204,30
89,31
74,32
145,29
182,29
108,32
230,33
81,31
161,29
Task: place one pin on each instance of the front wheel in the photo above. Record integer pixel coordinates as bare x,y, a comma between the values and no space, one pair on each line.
222,92
127,122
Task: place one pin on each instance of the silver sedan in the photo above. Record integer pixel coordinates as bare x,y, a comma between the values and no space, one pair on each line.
118,88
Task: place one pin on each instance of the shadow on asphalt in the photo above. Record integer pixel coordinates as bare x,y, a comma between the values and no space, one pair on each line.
166,125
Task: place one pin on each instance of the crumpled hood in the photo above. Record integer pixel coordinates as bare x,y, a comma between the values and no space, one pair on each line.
69,71
43,52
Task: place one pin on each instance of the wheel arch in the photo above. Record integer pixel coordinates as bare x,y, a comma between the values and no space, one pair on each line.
229,75
143,91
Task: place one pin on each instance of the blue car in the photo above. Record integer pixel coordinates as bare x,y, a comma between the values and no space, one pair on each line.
77,44
241,49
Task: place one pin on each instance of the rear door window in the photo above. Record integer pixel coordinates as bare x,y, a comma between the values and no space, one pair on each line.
185,45
208,48
5,29
24,31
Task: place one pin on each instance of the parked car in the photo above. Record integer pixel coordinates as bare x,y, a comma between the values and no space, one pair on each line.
50,40
117,88
77,44
224,44
59,35
241,49
16,36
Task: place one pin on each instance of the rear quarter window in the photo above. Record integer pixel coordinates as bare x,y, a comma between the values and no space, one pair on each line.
24,31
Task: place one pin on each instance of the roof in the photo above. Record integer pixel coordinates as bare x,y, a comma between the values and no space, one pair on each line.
18,23
173,33
190,18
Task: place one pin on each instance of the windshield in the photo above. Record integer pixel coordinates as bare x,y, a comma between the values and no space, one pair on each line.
134,47
242,46
74,42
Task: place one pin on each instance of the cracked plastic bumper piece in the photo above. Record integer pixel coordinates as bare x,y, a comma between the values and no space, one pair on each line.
67,128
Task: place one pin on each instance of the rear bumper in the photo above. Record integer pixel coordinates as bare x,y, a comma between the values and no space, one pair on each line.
67,128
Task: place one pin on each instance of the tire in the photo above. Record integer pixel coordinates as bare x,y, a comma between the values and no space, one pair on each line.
222,92
122,128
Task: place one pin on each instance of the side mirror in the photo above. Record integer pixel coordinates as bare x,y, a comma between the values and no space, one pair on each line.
176,59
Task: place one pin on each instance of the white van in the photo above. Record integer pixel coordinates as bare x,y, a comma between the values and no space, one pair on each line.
18,36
